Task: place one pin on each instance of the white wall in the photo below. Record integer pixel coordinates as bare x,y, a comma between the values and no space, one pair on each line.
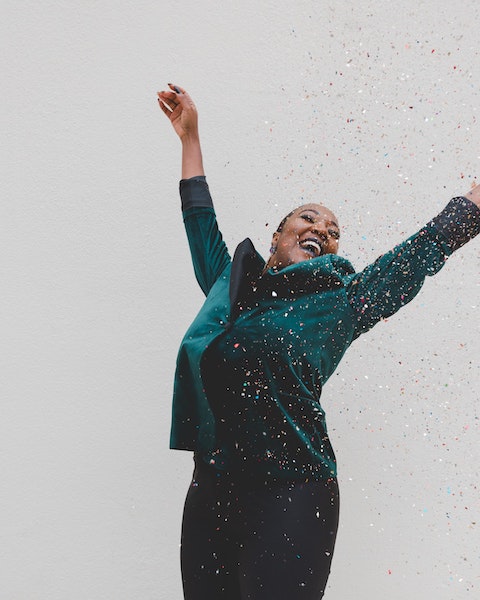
370,107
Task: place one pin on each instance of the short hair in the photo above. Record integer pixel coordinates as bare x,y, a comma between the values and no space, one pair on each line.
284,220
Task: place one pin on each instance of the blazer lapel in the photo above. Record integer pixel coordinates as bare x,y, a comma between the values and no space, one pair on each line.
247,266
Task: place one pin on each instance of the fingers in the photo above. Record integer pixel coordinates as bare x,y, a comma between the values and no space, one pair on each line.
166,110
174,94
167,95
167,100
177,105
176,88
174,97
178,95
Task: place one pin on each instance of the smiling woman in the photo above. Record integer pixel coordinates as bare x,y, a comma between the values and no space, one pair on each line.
261,514
307,232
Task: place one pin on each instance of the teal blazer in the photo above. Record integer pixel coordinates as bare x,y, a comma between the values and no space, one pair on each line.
281,336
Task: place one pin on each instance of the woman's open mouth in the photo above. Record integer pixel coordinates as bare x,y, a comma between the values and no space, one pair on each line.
311,246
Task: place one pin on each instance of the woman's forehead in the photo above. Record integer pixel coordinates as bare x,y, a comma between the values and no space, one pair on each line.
317,209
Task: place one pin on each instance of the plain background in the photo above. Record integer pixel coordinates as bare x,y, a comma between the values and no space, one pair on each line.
369,107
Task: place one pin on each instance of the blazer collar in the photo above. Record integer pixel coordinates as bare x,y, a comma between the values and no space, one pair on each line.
247,266
310,276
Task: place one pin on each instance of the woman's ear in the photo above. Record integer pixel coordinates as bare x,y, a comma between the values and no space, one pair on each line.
275,237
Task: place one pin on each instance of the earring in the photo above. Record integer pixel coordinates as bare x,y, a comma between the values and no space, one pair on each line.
273,249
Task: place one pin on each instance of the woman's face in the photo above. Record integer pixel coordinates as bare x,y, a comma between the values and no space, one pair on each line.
310,231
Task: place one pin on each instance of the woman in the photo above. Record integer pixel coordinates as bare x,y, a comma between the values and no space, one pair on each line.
261,513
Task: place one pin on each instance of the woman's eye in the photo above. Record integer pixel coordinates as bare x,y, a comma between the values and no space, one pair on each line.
334,233
307,218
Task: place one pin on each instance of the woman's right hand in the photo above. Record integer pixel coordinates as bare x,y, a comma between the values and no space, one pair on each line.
182,113
180,109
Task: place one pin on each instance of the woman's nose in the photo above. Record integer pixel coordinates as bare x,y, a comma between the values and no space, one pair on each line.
319,229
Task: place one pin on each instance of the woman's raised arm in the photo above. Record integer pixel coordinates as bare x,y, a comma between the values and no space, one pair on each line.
395,278
210,256
182,112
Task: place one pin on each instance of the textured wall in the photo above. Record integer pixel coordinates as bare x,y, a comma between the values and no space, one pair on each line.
366,106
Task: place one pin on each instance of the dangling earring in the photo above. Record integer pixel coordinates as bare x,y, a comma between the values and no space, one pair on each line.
273,249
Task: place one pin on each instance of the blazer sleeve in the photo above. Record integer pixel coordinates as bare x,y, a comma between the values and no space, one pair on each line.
396,277
209,253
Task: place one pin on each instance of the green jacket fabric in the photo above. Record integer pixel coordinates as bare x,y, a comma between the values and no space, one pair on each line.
251,367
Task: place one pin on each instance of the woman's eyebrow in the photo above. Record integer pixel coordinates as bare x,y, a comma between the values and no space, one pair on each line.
317,213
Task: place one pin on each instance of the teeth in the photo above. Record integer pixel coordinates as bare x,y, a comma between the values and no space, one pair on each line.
311,246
